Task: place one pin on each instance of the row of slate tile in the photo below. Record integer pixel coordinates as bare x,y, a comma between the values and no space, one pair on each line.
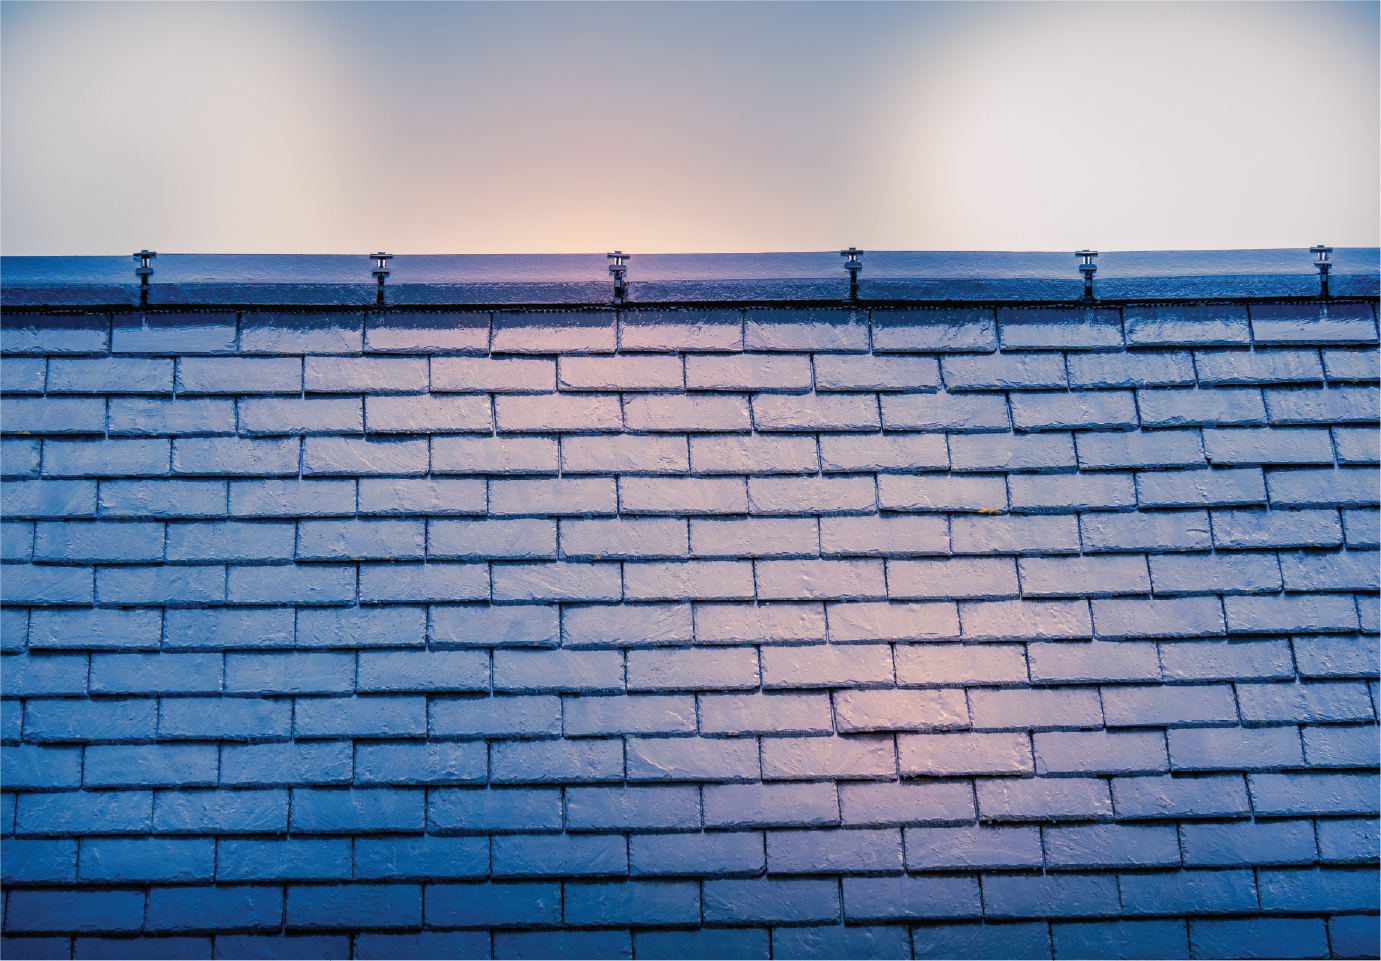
868,851
901,535
604,331
801,743
1347,936
789,373
977,413
194,665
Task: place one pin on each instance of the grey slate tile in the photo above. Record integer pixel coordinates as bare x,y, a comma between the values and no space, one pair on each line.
283,333
1007,371
56,333
902,373
1328,656
20,458
1291,614
1138,706
1200,488
688,581
1084,576
662,330
427,414
942,492
1215,573
1338,487
1078,410
1065,494
432,495
815,412
749,372
755,537
550,332
624,537
624,454
1235,749
812,495
1188,892
626,625
1363,528
945,412
1014,534
1168,617
886,534
413,333
883,452
915,898
1097,846
508,375
1120,939
1221,796
1146,531
1357,445
110,375
1091,662
1257,367
1352,365
364,375
1056,328
1123,450
758,454
554,581
973,846
324,456
237,456
1190,324
494,455
810,329
1141,369
855,622
1247,844
968,330
53,415
754,623
687,412
1223,406
1345,405
1226,660
1248,529
570,413
690,495
1310,323
1044,799
1012,452
163,498
854,665
23,375
1025,620
1021,940
820,579
1345,571
1267,446
620,373
134,457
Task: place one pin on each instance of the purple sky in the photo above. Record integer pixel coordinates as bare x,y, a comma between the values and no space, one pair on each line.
670,127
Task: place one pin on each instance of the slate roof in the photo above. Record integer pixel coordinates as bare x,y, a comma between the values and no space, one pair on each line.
989,629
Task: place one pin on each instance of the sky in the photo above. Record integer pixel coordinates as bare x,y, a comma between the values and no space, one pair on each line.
671,127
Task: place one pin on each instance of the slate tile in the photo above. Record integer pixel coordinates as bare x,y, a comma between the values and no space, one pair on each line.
1227,660
1137,706
1310,323
883,452
1012,452
110,375
756,454
1332,406
1120,939
1224,406
623,537
690,495
1092,662
1257,367
1141,369
1363,528
687,412
1319,571
815,412
749,372
624,454
284,333
1017,940
237,456
1044,799
812,495
819,579
1223,796
143,457
1357,445
1235,749
555,581
431,332
1171,617
364,375
1084,576
885,534
457,625
1338,487
1352,365
924,665
903,373
1014,534
1247,844
315,415
507,375
1245,446
754,623
755,537
19,458
1086,410
808,329
943,492
964,330
661,330
494,455
1201,488
428,414
688,581
817,666
631,625
1057,328
1331,656
1189,892
1094,846
1025,620
432,495
1123,450
973,846
1008,371
1257,937
1158,531
550,332
621,373
522,539
700,759
1065,494
945,412
56,333
569,413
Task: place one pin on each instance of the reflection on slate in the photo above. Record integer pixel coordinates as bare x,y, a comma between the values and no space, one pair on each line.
885,632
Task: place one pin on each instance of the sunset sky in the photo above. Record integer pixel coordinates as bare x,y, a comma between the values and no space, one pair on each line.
677,127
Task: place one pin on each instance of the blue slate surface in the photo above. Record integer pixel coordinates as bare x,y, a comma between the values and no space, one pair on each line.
208,279
744,631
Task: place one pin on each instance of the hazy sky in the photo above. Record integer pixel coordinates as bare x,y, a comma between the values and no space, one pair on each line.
686,127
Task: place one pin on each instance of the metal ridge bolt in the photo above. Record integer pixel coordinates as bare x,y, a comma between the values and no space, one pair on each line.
144,272
1088,268
1323,264
618,268
853,266
381,272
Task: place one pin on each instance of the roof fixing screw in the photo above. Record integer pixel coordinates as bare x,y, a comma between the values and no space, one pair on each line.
1088,268
618,268
1322,262
853,265
381,272
144,272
